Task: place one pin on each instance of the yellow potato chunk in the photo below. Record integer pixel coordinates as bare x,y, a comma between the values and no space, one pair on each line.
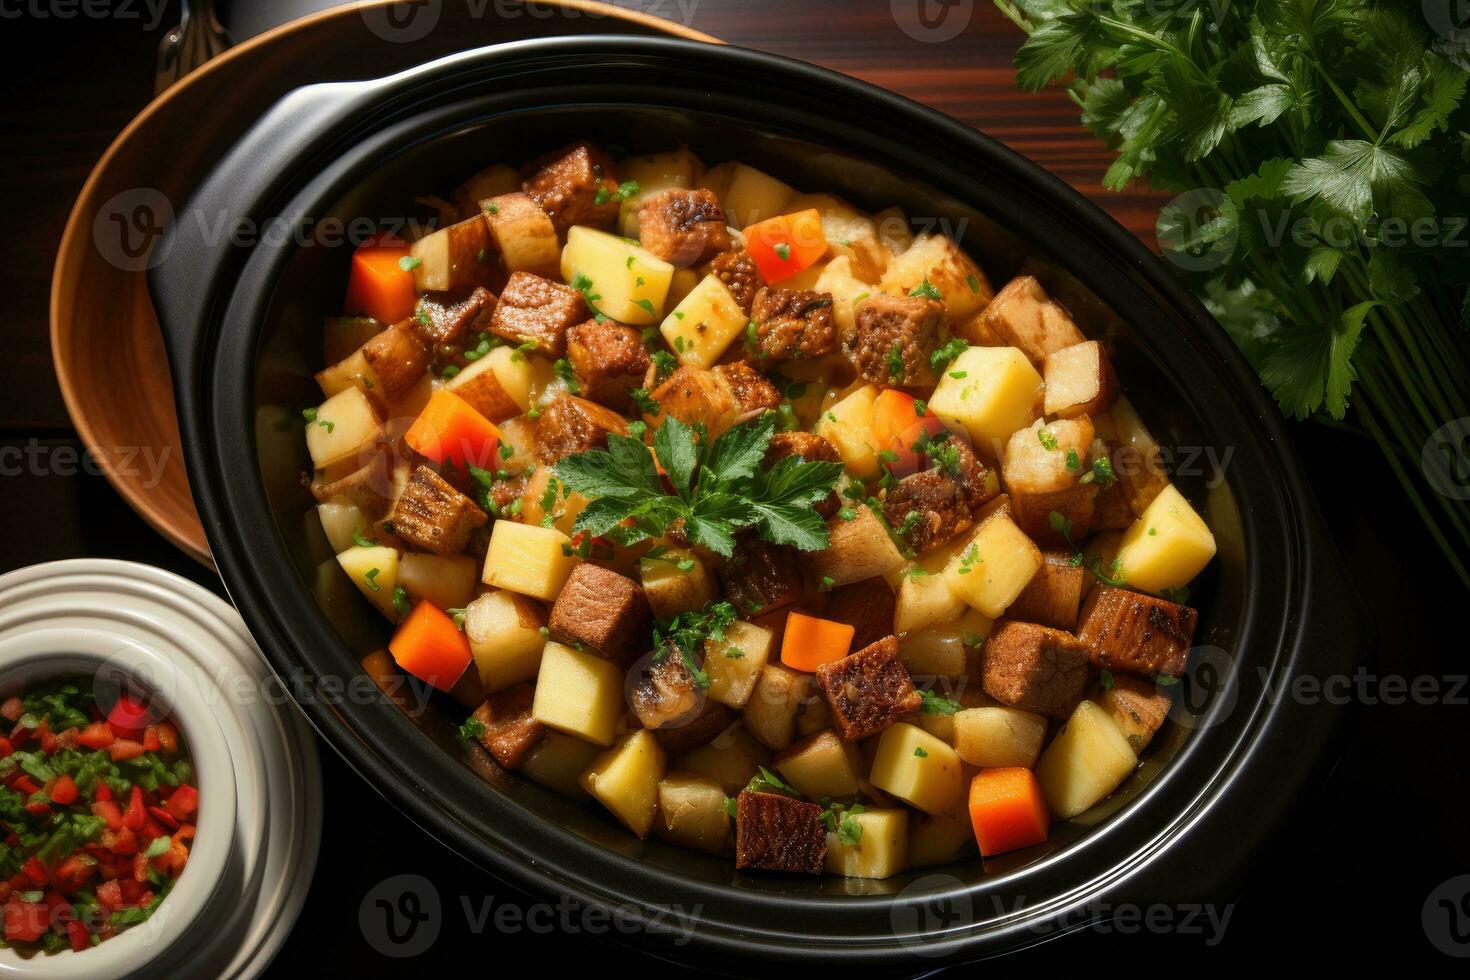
340,522
881,849
995,568
936,839
857,549
558,763
625,779
998,738
943,649
947,268
375,572
448,583
731,758
527,559
918,768
770,714
747,194
629,282
1085,762
691,813
846,289
734,663
578,694
990,392
848,426
671,589
704,323
344,424
1167,546
504,630
819,765
353,370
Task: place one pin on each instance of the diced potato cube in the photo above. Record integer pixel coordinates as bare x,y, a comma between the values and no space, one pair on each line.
819,765
918,768
340,522
448,583
481,386
999,738
691,813
923,596
559,761
578,693
499,178
770,714
881,848
847,291
734,663
995,567
1079,381
850,233
671,589
848,426
375,572
1024,316
948,269
523,233
731,758
936,839
629,282
625,779
653,172
453,257
967,694
528,559
1037,458
857,549
352,371
343,425
504,630
943,649
989,392
1085,762
1167,546
704,323
746,194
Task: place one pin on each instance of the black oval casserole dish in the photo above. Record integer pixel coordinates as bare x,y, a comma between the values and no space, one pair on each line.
243,320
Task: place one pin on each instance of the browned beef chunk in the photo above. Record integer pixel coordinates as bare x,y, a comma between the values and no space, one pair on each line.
574,425
1035,668
868,691
760,577
977,482
812,448
737,270
893,337
1139,633
1033,513
398,358
504,492
539,311
609,359
433,516
792,323
683,227
575,186
602,612
868,606
927,509
753,393
696,396
510,731
778,833
1054,593
446,318
664,694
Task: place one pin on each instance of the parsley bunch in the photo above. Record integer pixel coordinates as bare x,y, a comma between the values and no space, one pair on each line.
686,632
718,488
1321,151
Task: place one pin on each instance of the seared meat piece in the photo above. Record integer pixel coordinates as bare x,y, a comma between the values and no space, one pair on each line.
433,516
683,227
712,719
1054,593
539,311
1139,633
893,337
602,612
696,396
574,425
792,323
1033,513
868,606
868,691
664,694
398,359
927,509
1110,508
1138,707
977,482
1035,668
778,833
752,391
760,577
810,447
503,493
510,731
609,359
737,270
575,187
366,487
444,318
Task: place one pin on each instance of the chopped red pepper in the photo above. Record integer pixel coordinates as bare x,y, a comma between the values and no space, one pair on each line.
63,790
76,931
25,921
124,749
164,817
183,802
96,736
109,811
137,812
35,871
128,718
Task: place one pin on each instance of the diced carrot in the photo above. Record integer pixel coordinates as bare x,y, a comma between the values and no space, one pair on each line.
810,642
449,428
906,458
786,244
1007,810
430,647
893,412
379,286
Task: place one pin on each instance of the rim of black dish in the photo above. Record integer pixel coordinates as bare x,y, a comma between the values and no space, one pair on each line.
366,121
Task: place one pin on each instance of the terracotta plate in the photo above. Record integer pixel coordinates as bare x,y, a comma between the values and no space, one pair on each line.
102,323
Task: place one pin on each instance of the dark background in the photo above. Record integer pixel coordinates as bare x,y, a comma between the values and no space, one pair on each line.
1351,873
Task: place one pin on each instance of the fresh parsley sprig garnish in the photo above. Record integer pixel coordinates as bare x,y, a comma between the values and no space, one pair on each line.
686,632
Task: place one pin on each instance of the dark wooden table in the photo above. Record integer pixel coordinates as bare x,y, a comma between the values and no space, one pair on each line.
1353,870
